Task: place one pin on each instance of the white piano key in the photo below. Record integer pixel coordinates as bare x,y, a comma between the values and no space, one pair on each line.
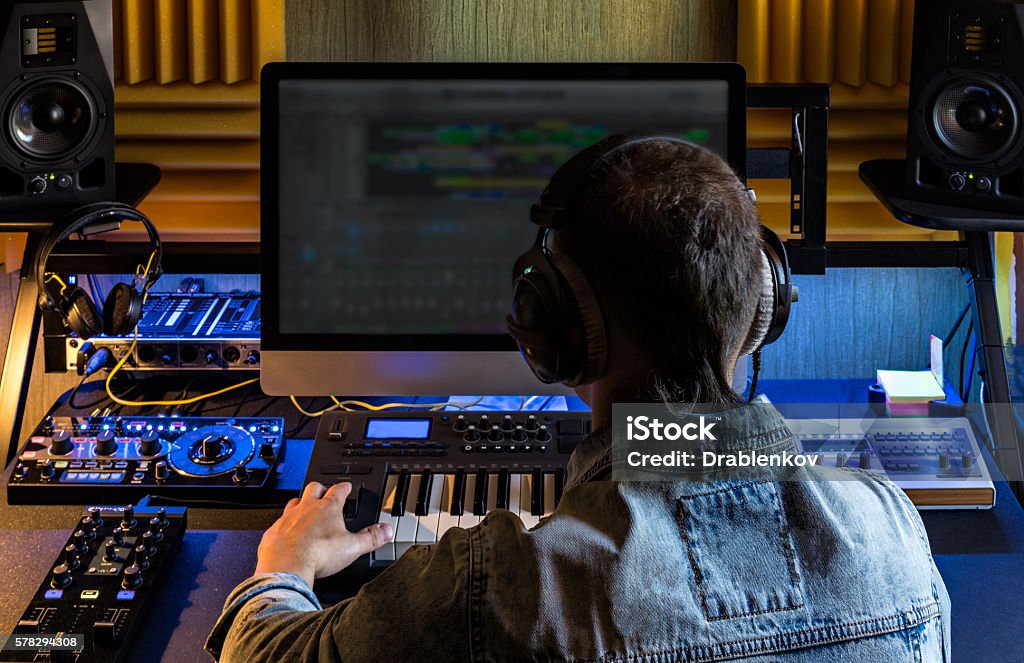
467,519
549,494
427,531
525,495
492,492
387,552
515,485
405,536
446,521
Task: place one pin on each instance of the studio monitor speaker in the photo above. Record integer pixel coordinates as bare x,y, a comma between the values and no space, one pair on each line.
964,138
56,104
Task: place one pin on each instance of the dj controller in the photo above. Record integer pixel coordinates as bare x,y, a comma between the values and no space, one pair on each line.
70,460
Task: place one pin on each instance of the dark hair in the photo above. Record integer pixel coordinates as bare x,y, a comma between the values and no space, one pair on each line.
669,239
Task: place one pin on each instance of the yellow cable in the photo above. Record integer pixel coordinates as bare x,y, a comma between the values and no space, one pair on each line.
186,401
388,406
54,277
314,414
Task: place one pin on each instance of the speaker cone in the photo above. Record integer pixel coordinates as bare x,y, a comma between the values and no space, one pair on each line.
975,119
52,119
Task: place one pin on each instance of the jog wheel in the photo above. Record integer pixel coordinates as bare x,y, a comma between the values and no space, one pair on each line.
211,450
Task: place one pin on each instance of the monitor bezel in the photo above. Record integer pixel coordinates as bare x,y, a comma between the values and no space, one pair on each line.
270,222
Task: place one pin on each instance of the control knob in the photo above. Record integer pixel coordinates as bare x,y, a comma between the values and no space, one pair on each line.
149,443
118,536
495,435
957,182
60,443
542,434
71,556
149,542
507,424
89,527
840,459
472,435
128,518
485,423
160,470
967,460
80,541
519,435
944,461
142,555
47,470
47,427
61,576
241,474
460,424
37,185
106,443
531,423
96,515
110,551
156,527
252,358
132,577
865,460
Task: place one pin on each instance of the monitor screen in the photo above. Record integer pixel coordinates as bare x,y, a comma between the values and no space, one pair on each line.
396,198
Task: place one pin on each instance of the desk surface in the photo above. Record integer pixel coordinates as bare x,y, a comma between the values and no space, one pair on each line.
979,553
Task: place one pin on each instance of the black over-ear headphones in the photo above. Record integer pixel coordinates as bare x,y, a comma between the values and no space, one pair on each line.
556,319
123,306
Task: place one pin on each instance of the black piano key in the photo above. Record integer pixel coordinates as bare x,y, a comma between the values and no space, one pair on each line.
504,483
423,498
559,484
480,496
537,493
458,492
401,494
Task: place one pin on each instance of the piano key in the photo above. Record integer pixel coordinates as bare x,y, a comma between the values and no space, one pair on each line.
468,518
402,493
549,494
405,536
501,501
480,494
492,493
448,519
458,493
423,496
427,531
515,486
525,500
559,484
387,551
537,493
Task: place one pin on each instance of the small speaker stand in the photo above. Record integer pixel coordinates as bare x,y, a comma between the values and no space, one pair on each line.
885,179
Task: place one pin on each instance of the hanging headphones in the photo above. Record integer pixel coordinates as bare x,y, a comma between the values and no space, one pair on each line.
123,306
556,319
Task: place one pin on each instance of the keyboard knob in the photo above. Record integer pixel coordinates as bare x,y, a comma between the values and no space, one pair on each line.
840,459
89,527
967,460
531,423
47,470
142,555
495,435
118,536
110,551
149,443
106,443
519,435
47,426
485,423
60,443
507,423
461,424
156,528
96,515
865,460
119,426
472,434
161,471
944,461
132,577
80,541
61,576
542,434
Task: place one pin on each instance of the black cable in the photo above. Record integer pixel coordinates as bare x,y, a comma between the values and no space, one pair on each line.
963,356
970,369
956,325
755,360
150,499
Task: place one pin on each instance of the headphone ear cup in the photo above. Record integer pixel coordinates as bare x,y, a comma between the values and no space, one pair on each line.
765,313
530,324
80,314
122,310
592,358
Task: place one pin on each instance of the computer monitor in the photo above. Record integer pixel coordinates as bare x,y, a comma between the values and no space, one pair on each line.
396,197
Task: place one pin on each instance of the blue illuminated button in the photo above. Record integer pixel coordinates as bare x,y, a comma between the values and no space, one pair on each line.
126,595
54,593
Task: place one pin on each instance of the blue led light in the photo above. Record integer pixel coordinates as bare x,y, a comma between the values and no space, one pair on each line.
274,429
149,427
252,429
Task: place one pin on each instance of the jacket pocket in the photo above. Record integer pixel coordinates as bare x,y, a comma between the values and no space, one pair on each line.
741,551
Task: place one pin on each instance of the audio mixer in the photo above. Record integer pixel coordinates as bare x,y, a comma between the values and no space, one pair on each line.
424,473
90,605
85,459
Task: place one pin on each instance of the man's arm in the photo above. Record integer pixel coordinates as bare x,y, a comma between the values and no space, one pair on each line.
421,601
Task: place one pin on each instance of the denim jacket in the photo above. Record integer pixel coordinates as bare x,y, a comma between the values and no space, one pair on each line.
832,566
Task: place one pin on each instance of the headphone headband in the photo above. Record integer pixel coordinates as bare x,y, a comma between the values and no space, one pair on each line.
82,218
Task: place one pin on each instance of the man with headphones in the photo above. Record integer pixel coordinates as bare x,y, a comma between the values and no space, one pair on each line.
650,277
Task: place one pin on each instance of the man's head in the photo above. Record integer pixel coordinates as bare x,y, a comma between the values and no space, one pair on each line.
670,242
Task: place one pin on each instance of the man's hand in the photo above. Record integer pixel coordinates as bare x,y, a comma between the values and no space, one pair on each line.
310,538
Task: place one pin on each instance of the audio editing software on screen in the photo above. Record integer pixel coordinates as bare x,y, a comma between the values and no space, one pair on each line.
405,203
